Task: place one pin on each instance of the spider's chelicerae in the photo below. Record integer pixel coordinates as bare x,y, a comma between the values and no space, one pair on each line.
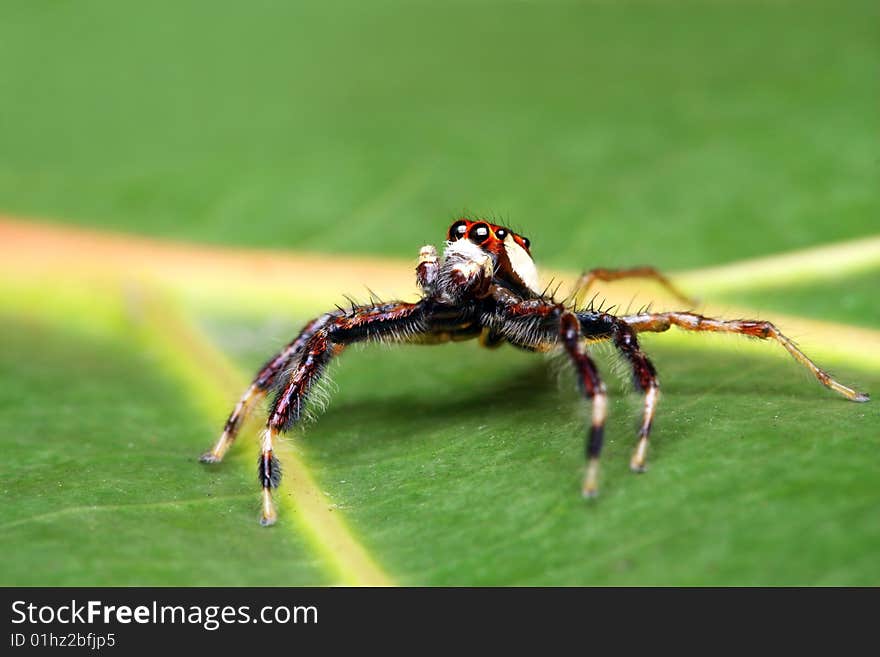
485,286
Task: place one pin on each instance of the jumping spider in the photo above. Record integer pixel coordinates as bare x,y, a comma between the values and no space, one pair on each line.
485,287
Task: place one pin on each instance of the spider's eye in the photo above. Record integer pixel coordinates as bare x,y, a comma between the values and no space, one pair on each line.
527,242
479,233
457,230
501,233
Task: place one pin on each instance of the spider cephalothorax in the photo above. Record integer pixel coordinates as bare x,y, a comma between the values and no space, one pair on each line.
485,286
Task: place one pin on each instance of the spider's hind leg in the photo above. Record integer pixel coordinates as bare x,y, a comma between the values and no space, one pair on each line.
658,322
587,279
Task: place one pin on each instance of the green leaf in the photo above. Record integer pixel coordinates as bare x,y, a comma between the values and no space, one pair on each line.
454,465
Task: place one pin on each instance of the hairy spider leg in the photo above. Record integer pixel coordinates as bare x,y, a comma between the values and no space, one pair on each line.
593,388
604,326
491,339
645,380
391,322
659,322
269,474
540,325
586,280
257,390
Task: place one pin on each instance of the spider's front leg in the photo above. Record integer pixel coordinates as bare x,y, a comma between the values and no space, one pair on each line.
390,322
257,390
604,326
538,325
593,388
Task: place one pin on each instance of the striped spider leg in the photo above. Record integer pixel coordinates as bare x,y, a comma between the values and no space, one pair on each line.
258,388
754,328
544,325
586,280
296,370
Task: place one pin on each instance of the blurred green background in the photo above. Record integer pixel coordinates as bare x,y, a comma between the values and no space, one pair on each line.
680,134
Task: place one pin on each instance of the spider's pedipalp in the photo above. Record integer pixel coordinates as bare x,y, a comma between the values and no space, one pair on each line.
427,268
467,270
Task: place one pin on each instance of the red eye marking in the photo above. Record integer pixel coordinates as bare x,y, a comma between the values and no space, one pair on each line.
476,231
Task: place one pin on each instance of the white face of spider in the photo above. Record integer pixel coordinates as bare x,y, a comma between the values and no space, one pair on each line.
475,246
522,264
465,250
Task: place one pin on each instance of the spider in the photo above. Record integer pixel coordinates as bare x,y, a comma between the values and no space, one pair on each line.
484,287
